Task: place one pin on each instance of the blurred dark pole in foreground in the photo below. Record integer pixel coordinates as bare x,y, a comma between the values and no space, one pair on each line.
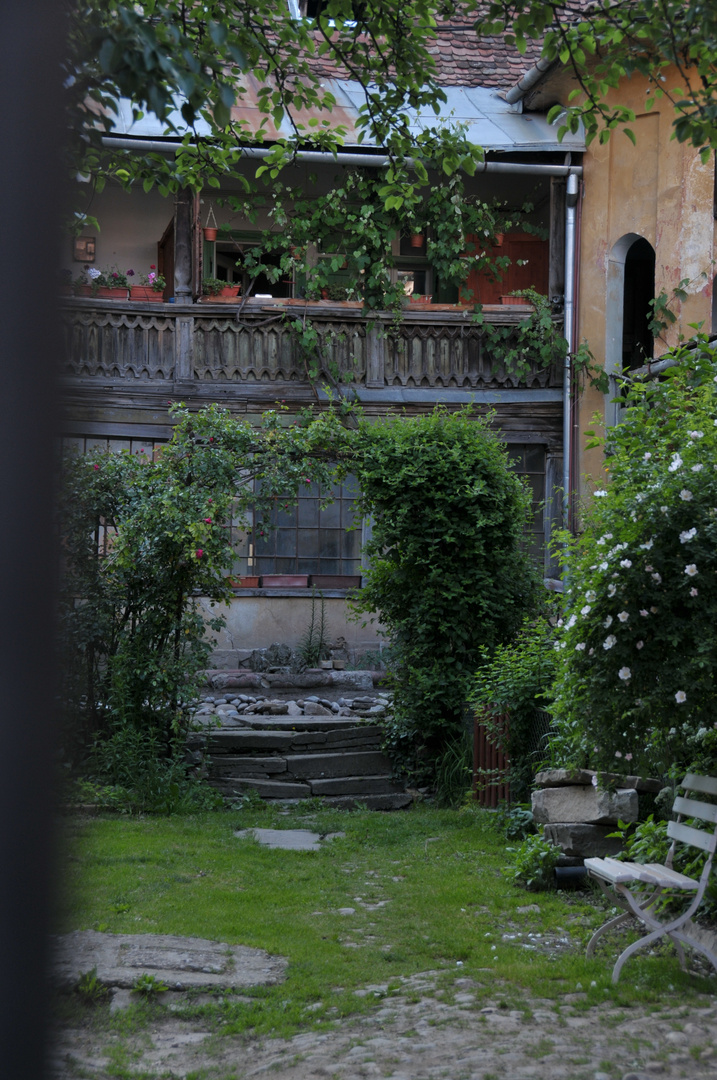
31,187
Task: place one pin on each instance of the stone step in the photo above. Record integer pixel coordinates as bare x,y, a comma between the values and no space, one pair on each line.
294,758
378,792
252,740
356,785
348,763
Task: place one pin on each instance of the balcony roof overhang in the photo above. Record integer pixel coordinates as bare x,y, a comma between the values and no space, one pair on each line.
489,121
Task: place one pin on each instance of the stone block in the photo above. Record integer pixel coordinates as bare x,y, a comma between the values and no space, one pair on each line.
356,785
318,766
268,789
584,804
371,802
582,841
230,765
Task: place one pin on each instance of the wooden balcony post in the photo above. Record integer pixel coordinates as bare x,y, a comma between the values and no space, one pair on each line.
375,354
183,246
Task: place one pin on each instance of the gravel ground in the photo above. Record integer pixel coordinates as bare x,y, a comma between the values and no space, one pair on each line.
414,1035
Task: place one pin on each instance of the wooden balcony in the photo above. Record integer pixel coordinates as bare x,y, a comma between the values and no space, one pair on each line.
432,347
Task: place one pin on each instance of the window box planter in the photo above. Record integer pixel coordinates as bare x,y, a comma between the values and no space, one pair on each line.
246,581
144,293
106,293
285,581
336,581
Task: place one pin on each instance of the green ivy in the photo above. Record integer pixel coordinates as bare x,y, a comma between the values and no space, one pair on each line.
448,574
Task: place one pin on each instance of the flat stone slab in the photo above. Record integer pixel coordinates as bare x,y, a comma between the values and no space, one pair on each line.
182,963
550,778
288,839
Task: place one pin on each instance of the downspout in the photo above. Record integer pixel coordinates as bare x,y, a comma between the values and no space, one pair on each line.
571,202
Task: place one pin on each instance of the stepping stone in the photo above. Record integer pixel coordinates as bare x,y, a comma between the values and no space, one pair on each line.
288,839
182,963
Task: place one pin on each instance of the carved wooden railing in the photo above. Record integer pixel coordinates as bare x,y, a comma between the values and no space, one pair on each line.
258,342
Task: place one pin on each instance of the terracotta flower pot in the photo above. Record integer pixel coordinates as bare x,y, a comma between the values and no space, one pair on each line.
210,233
277,581
230,290
417,240
106,293
144,293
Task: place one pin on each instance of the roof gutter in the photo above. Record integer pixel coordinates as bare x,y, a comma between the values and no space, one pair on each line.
376,161
527,82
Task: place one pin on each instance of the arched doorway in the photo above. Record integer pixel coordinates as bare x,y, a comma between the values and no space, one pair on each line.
639,290
630,287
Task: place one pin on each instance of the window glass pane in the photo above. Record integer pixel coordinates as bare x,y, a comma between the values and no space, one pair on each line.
309,543
330,543
308,513
330,566
286,542
331,516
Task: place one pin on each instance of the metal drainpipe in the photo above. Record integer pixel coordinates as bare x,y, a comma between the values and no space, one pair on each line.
571,202
318,157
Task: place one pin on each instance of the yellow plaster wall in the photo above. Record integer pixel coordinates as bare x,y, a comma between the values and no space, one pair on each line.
660,190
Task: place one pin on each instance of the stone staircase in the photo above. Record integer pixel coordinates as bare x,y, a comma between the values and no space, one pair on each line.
287,758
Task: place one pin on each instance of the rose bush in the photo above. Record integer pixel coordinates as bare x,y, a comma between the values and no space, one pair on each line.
637,644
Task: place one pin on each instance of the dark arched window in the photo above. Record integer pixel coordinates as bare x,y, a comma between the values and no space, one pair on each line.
639,290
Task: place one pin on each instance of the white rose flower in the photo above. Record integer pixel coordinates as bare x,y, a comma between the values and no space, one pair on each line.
591,596
691,570
657,578
675,463
639,644
585,610
647,545
686,495
680,697
623,616
696,434
697,468
600,494
625,674
687,535
609,641
644,613
608,622
580,646
625,563
571,622
648,455
603,566
611,590
694,592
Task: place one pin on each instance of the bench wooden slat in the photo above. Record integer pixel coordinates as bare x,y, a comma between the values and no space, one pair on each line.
693,808
687,835
619,873
671,879
707,785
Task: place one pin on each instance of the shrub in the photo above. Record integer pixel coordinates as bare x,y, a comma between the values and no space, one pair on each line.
448,573
516,682
638,645
534,864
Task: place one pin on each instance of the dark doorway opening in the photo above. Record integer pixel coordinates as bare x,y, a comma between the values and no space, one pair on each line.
639,290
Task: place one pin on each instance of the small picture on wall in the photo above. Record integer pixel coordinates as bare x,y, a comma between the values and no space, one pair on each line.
84,249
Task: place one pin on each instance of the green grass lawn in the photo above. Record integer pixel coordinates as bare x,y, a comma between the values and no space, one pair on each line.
428,887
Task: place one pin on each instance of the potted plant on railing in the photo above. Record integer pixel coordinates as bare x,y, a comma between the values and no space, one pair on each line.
112,284
150,286
216,290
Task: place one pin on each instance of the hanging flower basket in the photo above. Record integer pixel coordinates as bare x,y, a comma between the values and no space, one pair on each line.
417,240
210,231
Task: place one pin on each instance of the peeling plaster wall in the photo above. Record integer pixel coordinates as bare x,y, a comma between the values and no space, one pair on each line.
257,621
660,190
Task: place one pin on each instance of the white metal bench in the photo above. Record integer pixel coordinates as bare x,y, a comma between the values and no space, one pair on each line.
615,878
